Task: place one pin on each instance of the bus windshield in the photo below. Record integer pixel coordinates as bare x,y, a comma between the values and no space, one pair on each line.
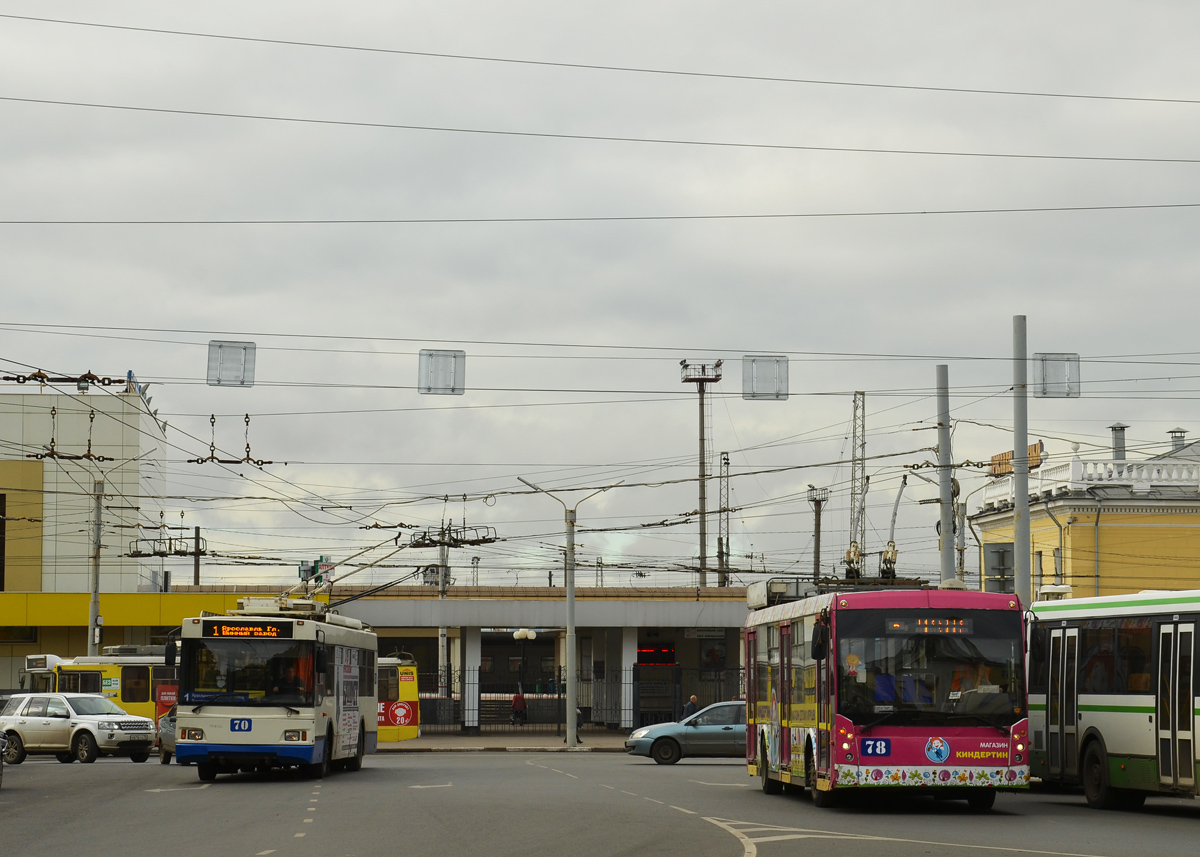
930,667
246,672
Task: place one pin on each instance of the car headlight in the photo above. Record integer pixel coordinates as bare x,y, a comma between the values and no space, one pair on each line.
106,725
640,733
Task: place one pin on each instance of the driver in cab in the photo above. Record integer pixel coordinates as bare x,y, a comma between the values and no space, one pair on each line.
289,684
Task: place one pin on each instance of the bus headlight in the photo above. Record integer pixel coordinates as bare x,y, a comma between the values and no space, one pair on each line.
845,745
293,735
1020,746
191,734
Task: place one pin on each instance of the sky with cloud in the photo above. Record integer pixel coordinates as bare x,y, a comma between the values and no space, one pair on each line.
580,196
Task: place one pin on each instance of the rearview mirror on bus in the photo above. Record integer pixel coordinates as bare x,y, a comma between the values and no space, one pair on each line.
820,642
169,653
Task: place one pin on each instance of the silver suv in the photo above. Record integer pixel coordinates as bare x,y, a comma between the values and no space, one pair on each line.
73,726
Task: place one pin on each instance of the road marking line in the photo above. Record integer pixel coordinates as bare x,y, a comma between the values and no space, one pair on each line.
556,770
188,789
299,835
264,853
681,809
313,800
635,794
741,828
312,809
442,786
606,787
308,821
652,800
727,785
572,776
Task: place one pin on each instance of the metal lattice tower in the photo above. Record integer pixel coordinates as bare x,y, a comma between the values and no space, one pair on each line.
723,525
858,472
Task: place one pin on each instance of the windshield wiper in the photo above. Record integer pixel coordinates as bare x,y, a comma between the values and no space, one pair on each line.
879,720
196,710
984,720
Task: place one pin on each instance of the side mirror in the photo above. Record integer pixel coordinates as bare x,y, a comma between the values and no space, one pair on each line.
820,642
322,662
171,653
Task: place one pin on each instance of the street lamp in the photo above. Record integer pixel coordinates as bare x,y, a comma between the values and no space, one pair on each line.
523,634
572,690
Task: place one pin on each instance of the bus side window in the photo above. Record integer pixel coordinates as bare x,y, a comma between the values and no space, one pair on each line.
389,684
1037,659
73,681
135,684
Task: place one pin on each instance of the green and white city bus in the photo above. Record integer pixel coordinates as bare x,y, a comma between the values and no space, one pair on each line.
1112,695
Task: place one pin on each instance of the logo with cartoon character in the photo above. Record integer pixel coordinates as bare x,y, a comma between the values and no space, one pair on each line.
937,750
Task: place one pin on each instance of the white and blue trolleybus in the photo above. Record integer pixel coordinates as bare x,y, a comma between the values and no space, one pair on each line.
278,682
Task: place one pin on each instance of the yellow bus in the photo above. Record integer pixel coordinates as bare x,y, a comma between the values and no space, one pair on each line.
132,676
399,705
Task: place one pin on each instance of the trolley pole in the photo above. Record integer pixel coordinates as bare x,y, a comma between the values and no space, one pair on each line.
1020,465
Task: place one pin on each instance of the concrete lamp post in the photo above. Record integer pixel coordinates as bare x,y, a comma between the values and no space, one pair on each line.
572,690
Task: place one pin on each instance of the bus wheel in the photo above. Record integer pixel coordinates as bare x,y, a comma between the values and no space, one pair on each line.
354,763
665,751
320,770
65,758
981,800
769,786
85,749
207,772
1096,788
14,753
820,799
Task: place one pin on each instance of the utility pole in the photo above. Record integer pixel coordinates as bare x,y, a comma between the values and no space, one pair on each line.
702,374
474,571
945,475
572,657
1020,464
817,497
443,641
196,560
95,621
599,571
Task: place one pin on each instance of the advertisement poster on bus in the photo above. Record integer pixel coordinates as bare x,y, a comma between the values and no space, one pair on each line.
347,701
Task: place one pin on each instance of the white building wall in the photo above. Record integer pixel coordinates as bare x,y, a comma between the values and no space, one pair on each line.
133,444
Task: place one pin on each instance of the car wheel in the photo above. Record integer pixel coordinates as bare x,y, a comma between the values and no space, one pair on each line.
85,748
665,751
1096,788
207,772
65,758
164,758
981,800
139,757
14,753
769,786
354,763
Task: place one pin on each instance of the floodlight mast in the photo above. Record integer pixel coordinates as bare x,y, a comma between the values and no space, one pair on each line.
572,690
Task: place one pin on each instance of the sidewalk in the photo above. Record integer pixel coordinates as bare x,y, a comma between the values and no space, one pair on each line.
530,742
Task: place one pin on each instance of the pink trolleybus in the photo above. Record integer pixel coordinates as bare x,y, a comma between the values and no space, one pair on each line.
888,689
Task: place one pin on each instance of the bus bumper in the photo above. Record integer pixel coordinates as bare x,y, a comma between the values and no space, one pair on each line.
250,755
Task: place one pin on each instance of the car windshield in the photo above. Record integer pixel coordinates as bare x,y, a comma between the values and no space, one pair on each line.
92,705
247,672
928,668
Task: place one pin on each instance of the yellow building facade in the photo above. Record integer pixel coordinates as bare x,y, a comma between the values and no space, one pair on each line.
1099,527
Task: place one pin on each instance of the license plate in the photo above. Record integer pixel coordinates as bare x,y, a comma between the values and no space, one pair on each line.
240,724
876,746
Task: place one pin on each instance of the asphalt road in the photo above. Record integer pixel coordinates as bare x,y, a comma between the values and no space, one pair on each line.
535,804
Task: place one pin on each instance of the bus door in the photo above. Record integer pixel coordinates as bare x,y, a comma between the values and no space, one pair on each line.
1062,702
1175,709
825,690
785,698
751,695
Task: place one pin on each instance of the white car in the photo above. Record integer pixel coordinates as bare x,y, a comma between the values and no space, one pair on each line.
72,726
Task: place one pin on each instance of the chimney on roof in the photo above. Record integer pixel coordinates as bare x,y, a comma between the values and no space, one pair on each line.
1177,438
1118,440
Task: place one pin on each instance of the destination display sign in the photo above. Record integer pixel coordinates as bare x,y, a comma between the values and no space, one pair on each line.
255,630
929,625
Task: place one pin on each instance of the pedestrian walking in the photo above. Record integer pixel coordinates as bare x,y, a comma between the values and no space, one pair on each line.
691,706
